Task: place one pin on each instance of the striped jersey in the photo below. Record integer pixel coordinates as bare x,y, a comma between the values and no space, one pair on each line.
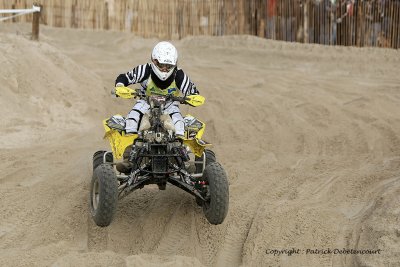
143,73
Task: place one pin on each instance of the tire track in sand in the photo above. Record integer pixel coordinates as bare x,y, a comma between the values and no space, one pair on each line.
97,237
176,232
232,249
237,230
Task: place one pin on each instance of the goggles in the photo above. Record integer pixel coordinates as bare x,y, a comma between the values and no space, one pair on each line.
164,67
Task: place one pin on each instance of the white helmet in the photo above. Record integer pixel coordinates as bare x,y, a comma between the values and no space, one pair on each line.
163,60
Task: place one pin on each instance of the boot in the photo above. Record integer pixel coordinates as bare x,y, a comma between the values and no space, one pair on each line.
124,167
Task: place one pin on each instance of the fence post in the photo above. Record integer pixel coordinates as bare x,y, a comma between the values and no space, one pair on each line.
305,22
106,24
35,23
13,19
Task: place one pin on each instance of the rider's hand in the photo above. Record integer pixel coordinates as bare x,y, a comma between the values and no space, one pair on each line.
113,94
183,100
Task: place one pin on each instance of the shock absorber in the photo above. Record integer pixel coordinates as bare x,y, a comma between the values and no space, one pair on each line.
133,156
184,153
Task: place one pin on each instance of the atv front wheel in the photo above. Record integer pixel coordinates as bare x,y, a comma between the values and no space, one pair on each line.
210,158
216,207
103,194
199,202
98,158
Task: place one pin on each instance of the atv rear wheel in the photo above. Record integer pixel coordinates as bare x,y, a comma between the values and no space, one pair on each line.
98,158
216,207
103,194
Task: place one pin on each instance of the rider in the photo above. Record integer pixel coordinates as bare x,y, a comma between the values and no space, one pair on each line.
160,76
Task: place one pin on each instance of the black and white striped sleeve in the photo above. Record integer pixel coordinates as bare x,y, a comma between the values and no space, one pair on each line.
185,85
136,75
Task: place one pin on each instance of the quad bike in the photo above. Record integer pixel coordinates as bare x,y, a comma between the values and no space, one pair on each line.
156,156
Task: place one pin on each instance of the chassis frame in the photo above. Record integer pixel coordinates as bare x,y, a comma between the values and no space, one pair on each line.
177,176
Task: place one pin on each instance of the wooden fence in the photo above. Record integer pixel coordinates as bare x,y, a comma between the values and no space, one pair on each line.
330,22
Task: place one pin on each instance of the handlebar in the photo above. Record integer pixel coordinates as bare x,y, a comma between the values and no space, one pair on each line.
181,100
129,93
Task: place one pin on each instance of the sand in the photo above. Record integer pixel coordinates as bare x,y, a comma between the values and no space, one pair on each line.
309,136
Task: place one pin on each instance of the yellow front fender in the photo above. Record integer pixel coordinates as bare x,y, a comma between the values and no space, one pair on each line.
118,141
196,146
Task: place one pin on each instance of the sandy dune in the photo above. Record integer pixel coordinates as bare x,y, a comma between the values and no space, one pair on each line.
309,136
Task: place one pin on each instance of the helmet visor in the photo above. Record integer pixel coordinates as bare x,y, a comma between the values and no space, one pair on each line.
164,67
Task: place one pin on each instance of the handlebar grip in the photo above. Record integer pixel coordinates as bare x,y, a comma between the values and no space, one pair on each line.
113,94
